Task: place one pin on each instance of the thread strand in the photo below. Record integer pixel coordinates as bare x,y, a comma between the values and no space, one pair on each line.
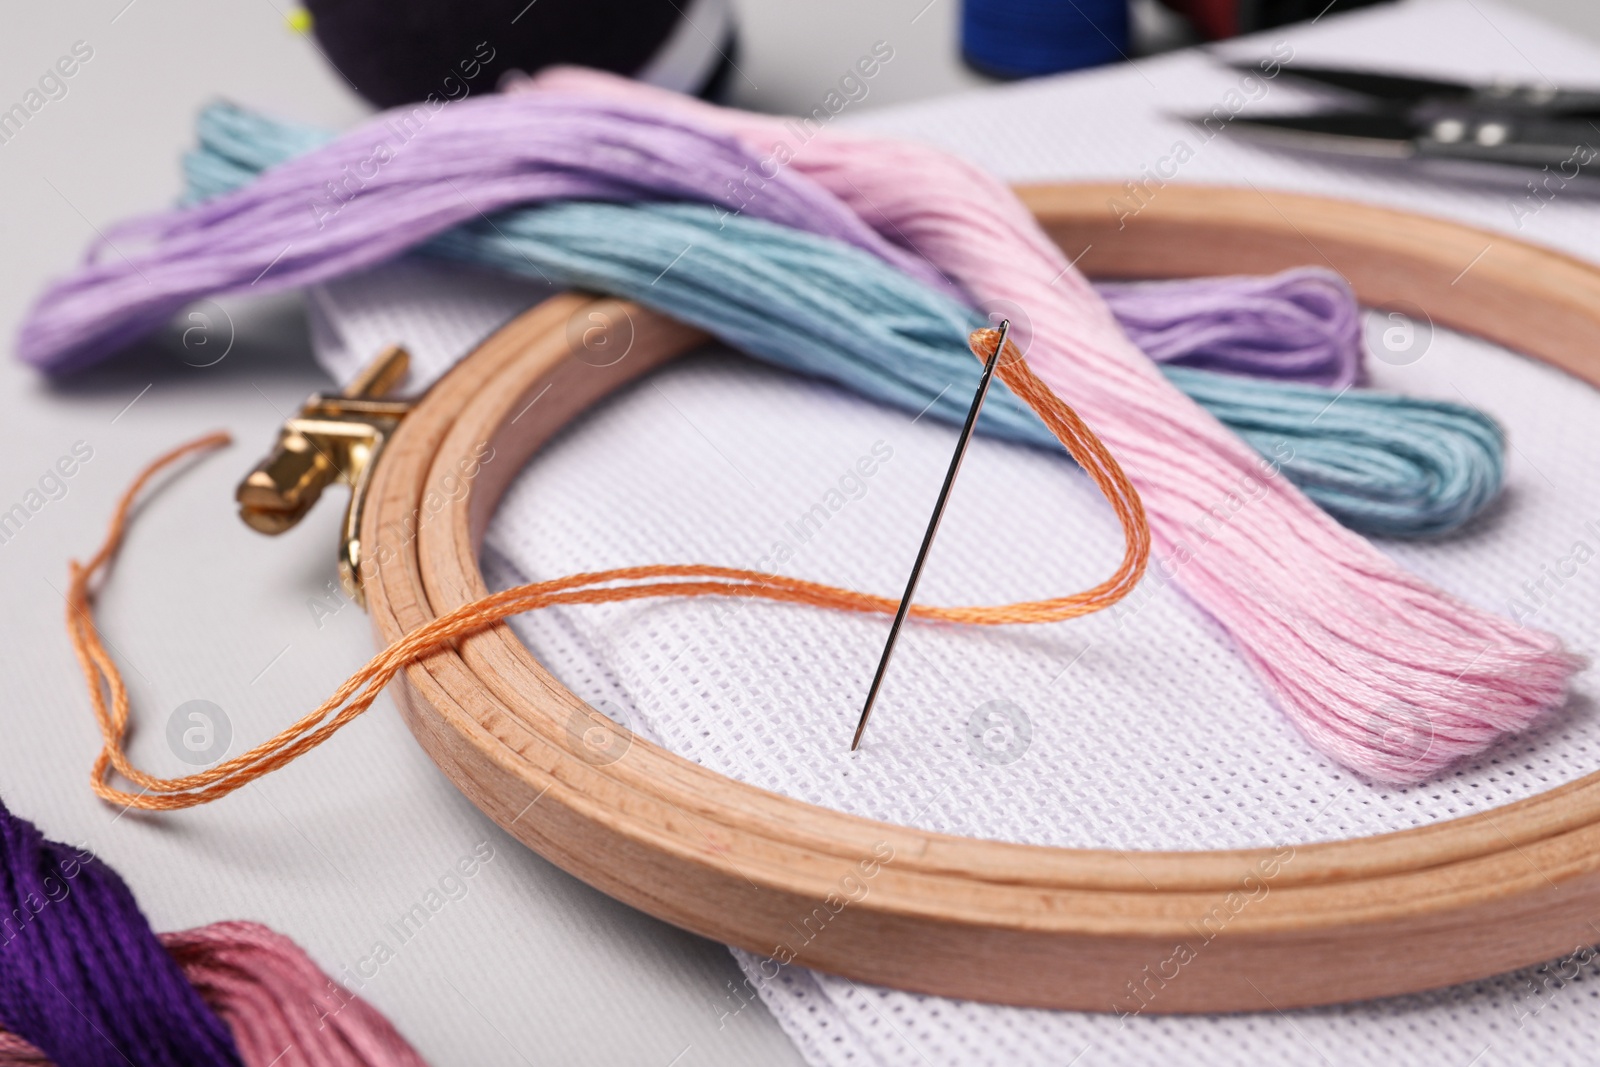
109,695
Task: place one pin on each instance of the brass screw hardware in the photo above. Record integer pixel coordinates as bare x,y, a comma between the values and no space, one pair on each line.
333,439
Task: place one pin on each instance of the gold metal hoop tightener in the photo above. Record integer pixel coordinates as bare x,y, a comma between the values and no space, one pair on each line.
333,439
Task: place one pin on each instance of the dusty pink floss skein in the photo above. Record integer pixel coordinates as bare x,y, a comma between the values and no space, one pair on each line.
1378,668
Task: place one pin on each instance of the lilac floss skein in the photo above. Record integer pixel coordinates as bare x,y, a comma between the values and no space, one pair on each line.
417,172
1301,325
82,976
421,171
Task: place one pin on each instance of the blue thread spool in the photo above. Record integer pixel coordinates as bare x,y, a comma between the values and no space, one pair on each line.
1024,38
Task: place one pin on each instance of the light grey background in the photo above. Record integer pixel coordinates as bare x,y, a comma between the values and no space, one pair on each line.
530,966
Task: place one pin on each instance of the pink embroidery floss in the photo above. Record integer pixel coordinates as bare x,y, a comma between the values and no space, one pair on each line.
1378,668
283,1010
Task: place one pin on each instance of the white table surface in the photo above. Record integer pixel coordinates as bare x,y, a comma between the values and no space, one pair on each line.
531,965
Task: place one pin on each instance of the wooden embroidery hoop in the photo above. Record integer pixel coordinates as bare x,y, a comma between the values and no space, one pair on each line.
1017,924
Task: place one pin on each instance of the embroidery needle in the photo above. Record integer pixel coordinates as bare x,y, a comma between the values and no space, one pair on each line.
933,529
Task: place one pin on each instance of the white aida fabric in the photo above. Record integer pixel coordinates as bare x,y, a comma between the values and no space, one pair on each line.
1137,729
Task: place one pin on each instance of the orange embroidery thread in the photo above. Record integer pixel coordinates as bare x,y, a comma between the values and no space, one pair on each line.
109,694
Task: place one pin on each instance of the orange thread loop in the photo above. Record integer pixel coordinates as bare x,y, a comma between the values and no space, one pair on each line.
109,694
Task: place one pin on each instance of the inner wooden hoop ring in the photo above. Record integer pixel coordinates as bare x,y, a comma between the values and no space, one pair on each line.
1080,929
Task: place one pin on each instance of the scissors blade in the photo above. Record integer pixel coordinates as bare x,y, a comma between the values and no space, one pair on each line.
1558,144
1390,88
1381,136
1405,91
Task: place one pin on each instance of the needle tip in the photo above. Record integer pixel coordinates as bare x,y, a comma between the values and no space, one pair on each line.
861,728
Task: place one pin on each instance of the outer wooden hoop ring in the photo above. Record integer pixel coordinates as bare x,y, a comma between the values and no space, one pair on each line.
1046,927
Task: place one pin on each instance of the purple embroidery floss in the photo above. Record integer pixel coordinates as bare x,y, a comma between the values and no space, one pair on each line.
415,172
82,976
1302,325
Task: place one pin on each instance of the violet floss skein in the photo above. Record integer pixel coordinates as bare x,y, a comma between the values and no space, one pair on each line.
1299,325
82,977
1378,668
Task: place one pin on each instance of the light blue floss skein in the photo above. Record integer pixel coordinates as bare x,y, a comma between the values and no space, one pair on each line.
1382,464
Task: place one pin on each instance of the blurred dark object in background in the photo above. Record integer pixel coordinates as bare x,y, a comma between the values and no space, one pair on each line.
1229,18
1026,38
1023,38
398,51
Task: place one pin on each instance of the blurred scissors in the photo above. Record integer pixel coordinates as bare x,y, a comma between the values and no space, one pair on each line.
1401,117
